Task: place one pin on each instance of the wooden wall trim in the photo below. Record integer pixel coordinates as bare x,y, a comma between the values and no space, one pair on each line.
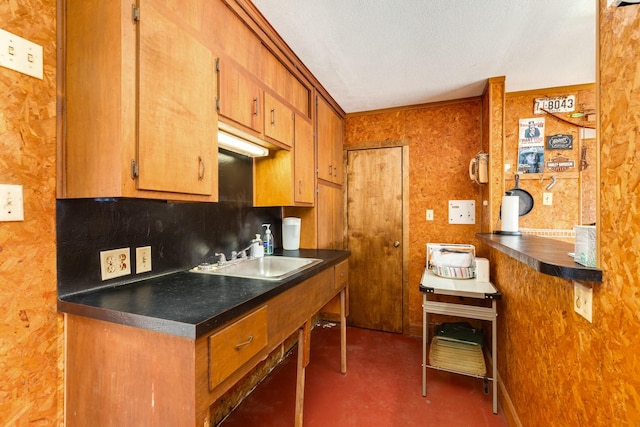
586,86
415,106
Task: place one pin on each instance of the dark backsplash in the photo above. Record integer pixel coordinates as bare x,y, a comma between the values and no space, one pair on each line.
181,235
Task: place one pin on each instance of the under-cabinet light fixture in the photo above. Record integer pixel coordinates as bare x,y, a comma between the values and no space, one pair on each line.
241,146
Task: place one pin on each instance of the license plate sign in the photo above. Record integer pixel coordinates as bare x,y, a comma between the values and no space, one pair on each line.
558,104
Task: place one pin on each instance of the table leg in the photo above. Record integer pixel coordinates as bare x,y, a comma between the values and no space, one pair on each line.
304,340
494,357
343,331
425,337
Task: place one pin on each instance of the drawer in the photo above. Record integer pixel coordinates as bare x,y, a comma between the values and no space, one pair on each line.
233,346
341,274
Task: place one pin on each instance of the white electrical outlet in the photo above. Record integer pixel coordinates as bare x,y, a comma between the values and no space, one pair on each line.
20,54
583,300
429,214
115,263
11,206
547,199
143,259
462,212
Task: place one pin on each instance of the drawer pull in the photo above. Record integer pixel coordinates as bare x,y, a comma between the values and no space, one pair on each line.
244,344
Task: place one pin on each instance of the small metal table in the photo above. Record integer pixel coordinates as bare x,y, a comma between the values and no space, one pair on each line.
470,288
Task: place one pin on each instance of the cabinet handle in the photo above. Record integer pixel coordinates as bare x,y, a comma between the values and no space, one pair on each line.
273,117
201,168
330,170
244,344
255,106
300,187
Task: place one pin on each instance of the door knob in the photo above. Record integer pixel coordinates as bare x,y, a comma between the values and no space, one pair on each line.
396,244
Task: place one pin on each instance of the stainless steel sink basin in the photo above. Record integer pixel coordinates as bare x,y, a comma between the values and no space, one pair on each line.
266,268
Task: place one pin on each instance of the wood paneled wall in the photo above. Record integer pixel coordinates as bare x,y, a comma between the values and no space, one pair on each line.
557,368
30,328
565,211
442,139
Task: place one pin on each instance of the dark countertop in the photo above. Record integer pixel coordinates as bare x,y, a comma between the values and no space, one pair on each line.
189,304
545,255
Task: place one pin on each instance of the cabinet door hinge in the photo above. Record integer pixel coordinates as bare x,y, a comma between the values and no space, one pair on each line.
134,169
135,13
218,104
217,65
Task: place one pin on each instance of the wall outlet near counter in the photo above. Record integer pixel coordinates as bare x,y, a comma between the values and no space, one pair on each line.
143,259
583,300
429,214
115,263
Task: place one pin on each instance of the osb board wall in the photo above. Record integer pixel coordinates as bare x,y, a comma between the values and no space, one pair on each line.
442,139
30,328
493,117
564,213
558,368
617,325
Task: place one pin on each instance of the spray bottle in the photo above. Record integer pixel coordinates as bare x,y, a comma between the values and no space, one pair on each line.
268,240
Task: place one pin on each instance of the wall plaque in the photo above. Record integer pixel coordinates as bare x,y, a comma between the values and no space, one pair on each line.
560,164
560,142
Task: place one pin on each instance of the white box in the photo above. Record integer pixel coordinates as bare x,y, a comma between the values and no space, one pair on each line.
585,246
482,270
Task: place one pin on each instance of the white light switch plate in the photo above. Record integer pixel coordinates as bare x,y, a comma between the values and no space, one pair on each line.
20,54
143,259
11,205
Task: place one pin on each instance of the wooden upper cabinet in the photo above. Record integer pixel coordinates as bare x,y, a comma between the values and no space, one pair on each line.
278,121
240,97
304,154
330,216
139,113
177,146
286,177
330,141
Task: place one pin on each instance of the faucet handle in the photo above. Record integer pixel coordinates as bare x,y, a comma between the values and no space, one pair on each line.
222,259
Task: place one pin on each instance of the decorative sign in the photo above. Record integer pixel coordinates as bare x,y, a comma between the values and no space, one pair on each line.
560,164
560,142
558,104
531,145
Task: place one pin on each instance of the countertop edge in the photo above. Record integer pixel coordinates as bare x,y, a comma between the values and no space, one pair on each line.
197,330
548,256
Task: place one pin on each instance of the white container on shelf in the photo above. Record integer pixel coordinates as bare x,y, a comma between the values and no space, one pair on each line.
291,233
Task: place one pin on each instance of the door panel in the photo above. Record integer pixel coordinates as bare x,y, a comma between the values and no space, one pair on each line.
374,206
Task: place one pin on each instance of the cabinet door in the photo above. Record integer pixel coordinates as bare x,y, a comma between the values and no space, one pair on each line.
304,155
240,97
330,217
278,121
177,143
330,135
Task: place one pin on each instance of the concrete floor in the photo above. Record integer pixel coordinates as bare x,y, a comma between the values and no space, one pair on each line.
382,387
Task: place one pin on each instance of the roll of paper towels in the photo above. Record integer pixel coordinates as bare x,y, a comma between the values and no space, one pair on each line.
510,211
482,270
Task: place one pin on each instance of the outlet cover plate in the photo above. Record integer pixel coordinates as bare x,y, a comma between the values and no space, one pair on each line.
583,300
143,259
462,211
115,263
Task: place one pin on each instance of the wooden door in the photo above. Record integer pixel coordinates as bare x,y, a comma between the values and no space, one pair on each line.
177,145
374,233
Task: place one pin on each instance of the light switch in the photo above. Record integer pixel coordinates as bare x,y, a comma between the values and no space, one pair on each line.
11,205
20,54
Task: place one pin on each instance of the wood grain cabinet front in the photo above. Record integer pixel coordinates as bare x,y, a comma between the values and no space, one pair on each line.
278,121
240,97
235,345
139,119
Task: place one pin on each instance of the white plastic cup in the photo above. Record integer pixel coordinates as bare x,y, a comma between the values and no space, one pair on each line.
291,233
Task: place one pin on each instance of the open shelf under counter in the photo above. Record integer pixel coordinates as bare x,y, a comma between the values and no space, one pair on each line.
548,256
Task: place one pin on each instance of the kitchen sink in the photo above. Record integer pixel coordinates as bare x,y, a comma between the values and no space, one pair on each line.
265,268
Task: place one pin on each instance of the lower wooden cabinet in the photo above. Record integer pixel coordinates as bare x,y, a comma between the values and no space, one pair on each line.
127,376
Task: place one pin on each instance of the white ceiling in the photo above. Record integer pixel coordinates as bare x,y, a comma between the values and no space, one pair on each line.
375,54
